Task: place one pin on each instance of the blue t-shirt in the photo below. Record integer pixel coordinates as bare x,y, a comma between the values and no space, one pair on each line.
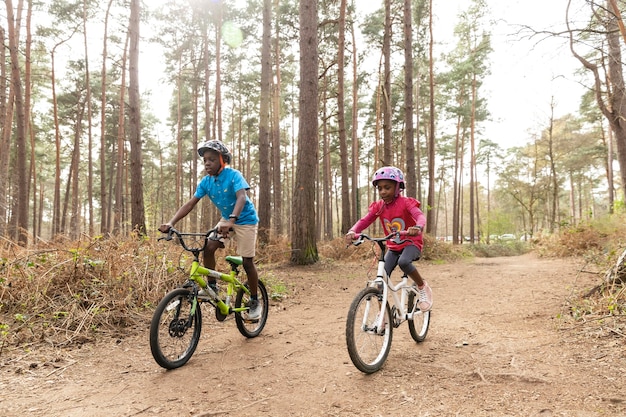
222,190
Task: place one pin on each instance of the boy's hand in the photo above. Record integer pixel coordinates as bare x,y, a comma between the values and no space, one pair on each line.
225,227
164,228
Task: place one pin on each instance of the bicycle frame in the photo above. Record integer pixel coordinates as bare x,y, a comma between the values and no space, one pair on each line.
403,287
197,273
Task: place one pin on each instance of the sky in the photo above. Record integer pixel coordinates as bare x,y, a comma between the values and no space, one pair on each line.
526,74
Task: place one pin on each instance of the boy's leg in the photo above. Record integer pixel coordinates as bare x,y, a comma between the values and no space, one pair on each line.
208,258
253,275
245,235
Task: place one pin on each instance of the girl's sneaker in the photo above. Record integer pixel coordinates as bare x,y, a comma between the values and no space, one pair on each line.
425,301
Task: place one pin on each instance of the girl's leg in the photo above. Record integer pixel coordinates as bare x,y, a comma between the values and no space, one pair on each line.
391,260
410,254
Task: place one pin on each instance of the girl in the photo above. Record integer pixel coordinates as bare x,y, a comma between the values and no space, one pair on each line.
397,213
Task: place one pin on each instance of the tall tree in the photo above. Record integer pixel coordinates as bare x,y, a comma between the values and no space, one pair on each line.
5,134
304,242
89,124
356,211
612,99
431,224
105,202
386,89
134,106
409,136
21,208
277,186
265,197
346,221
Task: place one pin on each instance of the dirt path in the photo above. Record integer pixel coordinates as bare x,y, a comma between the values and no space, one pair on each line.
495,348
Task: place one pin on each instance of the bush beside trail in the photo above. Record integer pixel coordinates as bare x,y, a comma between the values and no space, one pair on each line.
64,293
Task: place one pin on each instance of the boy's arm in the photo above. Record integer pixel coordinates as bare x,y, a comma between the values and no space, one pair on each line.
180,213
239,204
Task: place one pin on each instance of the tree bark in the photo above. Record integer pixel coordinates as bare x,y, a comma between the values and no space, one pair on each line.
134,116
265,179
304,244
20,130
346,221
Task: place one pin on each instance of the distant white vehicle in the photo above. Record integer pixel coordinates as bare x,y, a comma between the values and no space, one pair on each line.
507,236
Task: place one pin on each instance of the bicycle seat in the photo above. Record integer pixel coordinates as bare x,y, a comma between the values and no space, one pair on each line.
235,259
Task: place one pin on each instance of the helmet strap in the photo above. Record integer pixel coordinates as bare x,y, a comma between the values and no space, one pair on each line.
222,164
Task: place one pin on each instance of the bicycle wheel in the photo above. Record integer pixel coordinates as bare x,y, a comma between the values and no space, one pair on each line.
175,328
418,327
251,328
367,346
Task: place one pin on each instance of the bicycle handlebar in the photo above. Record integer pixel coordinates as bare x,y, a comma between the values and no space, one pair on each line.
395,236
210,235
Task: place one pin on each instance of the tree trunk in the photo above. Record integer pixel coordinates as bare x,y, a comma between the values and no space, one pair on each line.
409,136
89,123
105,202
431,226
5,135
27,115
388,153
277,212
346,221
325,196
356,206
118,209
134,122
304,243
20,130
473,197
74,229
265,179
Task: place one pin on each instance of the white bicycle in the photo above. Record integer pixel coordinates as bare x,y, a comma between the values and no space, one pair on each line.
378,308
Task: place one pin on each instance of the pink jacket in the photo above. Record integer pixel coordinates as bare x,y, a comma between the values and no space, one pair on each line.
400,214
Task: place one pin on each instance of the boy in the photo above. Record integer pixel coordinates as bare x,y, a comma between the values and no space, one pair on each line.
227,189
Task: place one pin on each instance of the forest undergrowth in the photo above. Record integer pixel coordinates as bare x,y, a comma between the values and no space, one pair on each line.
72,292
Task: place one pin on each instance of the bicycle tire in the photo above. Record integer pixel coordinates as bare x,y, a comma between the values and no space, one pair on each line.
418,327
175,329
251,328
368,348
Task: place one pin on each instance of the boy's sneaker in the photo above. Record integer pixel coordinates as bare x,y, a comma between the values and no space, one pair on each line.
254,313
425,301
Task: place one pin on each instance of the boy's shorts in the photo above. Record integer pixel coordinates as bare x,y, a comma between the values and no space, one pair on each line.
245,237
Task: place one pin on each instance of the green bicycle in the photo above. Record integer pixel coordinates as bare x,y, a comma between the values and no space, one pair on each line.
177,321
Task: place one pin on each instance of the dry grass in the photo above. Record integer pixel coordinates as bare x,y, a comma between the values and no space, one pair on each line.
70,292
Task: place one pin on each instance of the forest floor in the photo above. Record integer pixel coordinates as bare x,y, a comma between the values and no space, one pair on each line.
497,346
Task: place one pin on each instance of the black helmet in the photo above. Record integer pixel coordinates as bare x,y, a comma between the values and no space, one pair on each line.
217,146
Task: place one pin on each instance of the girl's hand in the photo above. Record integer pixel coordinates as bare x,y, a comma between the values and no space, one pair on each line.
350,236
414,230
